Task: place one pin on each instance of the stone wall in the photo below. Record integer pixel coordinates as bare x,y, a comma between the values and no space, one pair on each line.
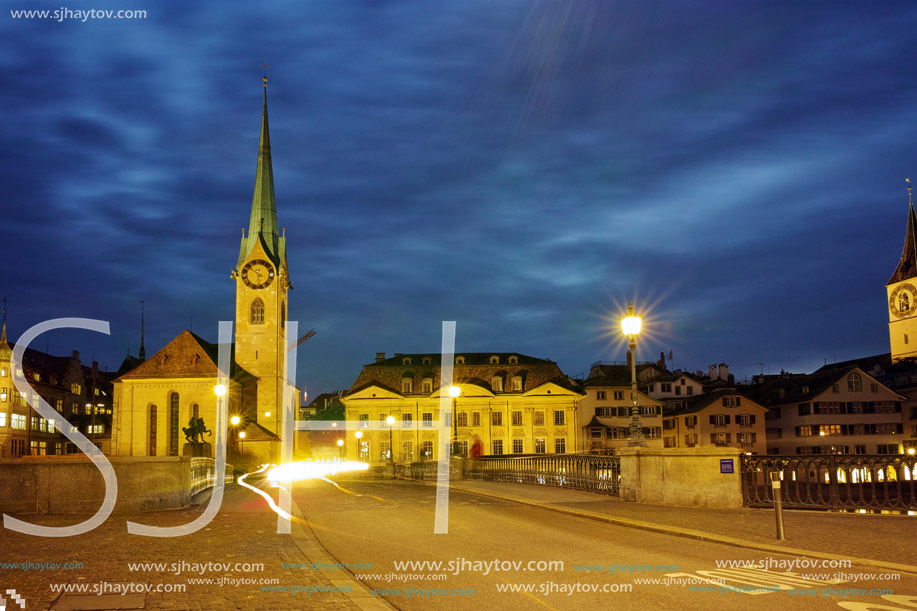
690,477
73,484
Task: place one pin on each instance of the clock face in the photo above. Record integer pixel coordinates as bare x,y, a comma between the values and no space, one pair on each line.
257,274
901,302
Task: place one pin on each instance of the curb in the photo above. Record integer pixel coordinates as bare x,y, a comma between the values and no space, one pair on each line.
697,534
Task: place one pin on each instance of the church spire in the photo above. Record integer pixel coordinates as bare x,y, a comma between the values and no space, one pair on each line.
263,223
142,353
907,267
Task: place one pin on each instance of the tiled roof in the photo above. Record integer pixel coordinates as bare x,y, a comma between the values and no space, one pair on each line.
701,402
477,370
186,356
789,389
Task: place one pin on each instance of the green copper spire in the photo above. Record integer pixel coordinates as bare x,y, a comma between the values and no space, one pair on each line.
263,223
907,267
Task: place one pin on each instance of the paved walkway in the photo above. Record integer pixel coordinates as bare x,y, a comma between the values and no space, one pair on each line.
244,531
884,541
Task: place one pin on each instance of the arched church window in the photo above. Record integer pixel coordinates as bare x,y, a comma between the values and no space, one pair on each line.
257,317
152,437
173,424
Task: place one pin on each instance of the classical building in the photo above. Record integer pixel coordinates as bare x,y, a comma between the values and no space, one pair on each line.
723,418
831,411
605,411
512,403
157,398
81,395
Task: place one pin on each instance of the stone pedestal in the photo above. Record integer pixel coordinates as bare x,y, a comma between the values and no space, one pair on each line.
197,450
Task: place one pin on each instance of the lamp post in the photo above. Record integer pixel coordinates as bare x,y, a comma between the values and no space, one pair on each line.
241,443
340,449
630,326
454,392
390,420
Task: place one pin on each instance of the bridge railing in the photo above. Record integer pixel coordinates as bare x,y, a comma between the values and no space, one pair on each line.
202,474
834,481
592,473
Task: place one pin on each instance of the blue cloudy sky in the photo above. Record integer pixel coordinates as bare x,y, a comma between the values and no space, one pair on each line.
523,167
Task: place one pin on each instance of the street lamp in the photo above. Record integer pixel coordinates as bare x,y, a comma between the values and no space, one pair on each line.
340,449
630,326
390,420
454,392
241,444
359,436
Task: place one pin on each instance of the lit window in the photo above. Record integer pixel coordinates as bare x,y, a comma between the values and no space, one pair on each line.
461,419
498,447
517,383
517,446
2,418
539,446
560,446
426,449
496,418
496,383
407,451
559,417
17,421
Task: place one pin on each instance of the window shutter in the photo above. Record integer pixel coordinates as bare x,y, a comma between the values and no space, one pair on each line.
727,418
725,401
738,401
728,437
752,418
712,437
712,419
754,438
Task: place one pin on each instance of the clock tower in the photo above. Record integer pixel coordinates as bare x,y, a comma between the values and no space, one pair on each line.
902,293
262,284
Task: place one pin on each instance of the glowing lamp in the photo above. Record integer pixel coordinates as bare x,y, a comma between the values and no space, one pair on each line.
630,324
390,420
235,420
358,434
340,442
454,391
267,414
241,434
219,390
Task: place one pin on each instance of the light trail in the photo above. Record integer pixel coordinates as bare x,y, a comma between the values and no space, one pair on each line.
297,471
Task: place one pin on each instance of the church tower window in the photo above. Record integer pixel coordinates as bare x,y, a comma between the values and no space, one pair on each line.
173,424
257,317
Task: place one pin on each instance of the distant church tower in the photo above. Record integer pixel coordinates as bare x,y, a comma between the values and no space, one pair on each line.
902,307
262,284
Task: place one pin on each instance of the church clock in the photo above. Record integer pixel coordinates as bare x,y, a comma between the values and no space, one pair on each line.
257,274
901,301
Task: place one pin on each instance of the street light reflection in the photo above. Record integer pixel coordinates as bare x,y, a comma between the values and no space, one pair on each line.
296,471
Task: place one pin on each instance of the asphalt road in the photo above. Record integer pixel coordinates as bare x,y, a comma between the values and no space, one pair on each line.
377,524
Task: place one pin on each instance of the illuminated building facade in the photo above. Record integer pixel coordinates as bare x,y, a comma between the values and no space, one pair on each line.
512,403
721,418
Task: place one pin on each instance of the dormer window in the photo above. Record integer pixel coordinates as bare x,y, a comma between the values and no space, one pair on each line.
517,383
427,385
495,360
496,383
460,360
427,360
513,360
407,385
406,360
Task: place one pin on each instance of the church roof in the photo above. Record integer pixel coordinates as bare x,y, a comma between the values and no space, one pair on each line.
263,226
186,356
907,267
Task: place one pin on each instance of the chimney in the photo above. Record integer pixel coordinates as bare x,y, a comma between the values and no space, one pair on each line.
711,372
661,360
380,356
724,372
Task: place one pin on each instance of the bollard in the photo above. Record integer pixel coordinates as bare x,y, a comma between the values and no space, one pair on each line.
778,504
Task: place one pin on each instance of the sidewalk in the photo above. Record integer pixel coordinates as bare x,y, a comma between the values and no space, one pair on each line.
883,541
243,531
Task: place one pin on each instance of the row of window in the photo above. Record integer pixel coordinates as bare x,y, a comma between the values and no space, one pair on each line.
602,395
666,387
882,448
623,432
496,384
822,430
848,407
496,419
426,449
460,360
625,412
718,420
720,439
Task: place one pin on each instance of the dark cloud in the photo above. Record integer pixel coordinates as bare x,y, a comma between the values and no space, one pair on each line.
524,169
